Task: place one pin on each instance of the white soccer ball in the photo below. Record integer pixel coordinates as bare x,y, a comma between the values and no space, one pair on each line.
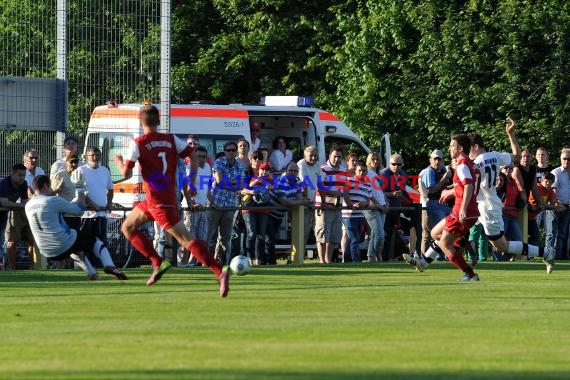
240,265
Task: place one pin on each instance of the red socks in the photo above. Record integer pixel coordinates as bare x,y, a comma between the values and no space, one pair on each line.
457,259
144,246
199,249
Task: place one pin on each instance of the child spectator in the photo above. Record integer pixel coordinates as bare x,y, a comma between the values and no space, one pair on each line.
547,193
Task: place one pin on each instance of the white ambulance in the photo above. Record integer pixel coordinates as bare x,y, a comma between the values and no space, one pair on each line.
112,126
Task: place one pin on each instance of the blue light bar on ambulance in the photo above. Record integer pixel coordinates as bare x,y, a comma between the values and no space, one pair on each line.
288,101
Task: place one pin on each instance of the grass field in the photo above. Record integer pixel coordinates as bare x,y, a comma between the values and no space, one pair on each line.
311,322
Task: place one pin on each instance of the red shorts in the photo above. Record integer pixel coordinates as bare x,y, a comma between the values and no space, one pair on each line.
457,228
166,216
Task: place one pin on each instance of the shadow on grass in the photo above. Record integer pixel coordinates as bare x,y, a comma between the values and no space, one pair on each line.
43,276
520,265
278,375
335,269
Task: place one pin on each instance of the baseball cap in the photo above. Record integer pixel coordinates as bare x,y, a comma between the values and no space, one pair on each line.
69,138
256,126
436,153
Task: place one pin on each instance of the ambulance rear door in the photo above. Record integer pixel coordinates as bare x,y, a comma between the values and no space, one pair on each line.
295,124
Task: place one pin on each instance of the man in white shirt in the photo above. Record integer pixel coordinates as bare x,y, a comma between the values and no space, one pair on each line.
309,174
31,161
98,185
197,218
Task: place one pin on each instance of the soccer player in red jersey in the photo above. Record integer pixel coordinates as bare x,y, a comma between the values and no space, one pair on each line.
453,231
158,154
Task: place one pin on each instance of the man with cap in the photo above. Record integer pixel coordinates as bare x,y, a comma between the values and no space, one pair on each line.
255,129
69,151
433,180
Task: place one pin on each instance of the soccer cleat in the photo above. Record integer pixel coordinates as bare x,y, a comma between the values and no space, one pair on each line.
224,280
158,272
548,260
466,278
116,272
419,263
93,277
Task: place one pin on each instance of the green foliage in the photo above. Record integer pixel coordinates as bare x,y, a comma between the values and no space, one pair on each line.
418,70
252,48
28,48
128,58
424,70
113,52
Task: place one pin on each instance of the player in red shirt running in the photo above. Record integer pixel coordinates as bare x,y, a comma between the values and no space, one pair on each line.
158,154
452,232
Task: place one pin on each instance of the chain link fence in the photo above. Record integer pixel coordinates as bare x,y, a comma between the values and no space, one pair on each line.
101,49
90,52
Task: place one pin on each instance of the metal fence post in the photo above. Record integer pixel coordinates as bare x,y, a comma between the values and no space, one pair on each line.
523,223
298,235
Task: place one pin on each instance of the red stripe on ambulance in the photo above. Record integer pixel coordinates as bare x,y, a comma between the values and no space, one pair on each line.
122,113
209,112
328,116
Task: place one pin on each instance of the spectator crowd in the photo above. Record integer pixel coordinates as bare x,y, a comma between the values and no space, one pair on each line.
356,209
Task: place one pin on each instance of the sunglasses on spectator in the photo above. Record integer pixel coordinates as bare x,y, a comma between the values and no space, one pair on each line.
255,157
231,150
396,164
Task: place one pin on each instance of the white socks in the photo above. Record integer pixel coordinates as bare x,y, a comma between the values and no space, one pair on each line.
102,254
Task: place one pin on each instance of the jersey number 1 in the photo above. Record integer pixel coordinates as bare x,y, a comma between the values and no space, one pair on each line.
162,156
491,172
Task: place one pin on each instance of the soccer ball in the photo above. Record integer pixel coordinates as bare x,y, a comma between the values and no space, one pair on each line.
240,265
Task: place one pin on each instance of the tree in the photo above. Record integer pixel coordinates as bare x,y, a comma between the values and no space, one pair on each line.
422,71
248,49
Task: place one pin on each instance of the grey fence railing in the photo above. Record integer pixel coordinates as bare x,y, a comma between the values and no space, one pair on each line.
124,255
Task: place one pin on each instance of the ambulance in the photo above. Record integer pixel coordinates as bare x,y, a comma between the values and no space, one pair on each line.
112,126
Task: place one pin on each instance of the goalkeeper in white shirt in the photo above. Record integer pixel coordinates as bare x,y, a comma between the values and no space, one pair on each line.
55,239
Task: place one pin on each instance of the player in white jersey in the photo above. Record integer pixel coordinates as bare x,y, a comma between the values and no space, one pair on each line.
54,238
490,206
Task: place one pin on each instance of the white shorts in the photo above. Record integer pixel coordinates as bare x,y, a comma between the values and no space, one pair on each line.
491,217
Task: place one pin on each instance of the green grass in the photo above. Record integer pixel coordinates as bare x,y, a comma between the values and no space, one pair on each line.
310,322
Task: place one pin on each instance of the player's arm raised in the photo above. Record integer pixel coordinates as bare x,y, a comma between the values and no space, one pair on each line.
515,148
